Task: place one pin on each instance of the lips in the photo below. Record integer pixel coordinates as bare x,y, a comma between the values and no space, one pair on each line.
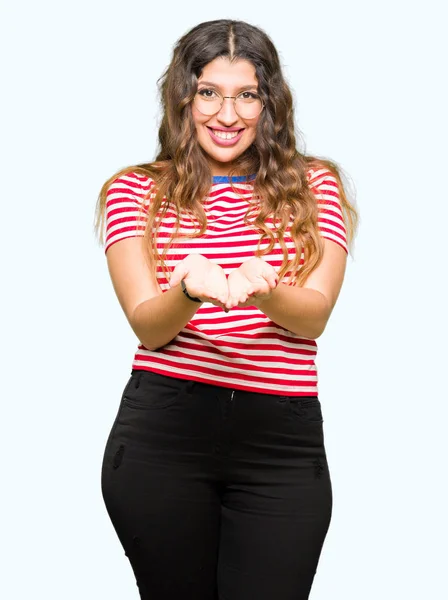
220,141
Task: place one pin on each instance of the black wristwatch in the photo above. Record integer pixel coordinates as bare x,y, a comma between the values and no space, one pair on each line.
184,289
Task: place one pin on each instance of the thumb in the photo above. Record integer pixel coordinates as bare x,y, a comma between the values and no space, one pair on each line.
180,271
271,276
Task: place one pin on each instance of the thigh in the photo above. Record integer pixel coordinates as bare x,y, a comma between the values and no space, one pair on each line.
159,489
277,506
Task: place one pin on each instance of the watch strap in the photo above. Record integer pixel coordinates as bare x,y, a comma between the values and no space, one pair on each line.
184,289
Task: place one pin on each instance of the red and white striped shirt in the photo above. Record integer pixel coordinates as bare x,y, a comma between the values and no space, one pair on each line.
242,349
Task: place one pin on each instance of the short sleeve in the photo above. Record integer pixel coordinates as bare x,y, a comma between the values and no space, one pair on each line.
330,218
124,201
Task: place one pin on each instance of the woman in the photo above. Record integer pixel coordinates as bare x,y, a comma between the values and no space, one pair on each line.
227,255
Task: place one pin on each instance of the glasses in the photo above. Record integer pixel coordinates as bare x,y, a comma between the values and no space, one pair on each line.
248,105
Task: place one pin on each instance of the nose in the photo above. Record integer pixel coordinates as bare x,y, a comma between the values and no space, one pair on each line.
227,115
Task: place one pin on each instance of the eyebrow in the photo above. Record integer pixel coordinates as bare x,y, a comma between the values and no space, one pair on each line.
244,87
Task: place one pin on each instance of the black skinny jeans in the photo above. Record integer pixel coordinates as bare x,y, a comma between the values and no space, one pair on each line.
217,494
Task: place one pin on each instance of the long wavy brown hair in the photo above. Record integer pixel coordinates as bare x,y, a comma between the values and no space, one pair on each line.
181,172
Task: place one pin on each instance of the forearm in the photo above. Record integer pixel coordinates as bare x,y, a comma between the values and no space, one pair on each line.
303,311
158,320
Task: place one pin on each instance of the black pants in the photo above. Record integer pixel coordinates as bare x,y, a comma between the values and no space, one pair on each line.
217,494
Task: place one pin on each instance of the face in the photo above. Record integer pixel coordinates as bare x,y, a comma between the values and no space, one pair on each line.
229,79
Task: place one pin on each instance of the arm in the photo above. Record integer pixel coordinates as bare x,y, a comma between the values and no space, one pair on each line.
305,310
158,320
165,316
156,317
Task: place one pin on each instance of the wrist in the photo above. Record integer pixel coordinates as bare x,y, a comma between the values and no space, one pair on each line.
266,300
185,291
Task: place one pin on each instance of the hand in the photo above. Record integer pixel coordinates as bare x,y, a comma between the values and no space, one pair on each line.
250,284
203,279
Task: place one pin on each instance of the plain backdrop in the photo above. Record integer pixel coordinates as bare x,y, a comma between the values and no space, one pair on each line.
78,102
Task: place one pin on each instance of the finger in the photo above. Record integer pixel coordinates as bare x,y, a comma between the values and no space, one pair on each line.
224,295
269,274
231,302
218,296
221,286
216,283
273,280
180,272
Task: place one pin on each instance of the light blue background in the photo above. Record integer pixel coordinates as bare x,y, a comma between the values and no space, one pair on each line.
78,103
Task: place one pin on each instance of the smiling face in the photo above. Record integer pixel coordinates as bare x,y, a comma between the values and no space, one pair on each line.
216,133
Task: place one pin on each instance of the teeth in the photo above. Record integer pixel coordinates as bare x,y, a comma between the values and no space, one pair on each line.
224,135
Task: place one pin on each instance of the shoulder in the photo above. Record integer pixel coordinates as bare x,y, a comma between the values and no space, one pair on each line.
321,177
131,183
324,185
127,201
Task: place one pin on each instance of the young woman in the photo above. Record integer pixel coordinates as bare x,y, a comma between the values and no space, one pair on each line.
227,255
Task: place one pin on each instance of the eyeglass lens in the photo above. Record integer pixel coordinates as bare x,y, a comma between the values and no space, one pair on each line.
247,104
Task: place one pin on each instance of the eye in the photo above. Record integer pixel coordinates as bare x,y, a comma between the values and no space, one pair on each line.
248,96
208,93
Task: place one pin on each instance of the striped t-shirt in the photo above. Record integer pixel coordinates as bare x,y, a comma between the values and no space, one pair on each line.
242,349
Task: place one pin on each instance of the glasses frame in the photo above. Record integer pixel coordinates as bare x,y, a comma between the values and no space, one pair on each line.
234,104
